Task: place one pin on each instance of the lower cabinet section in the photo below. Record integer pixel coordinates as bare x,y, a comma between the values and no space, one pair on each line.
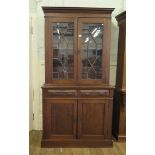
77,122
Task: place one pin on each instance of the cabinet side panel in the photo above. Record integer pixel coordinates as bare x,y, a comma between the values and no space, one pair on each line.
47,51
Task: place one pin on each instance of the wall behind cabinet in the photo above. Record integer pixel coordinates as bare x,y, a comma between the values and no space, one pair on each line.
37,47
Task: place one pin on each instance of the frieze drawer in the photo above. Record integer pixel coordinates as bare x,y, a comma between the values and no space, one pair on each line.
93,93
60,93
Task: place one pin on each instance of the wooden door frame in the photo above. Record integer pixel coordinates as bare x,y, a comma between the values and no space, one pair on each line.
48,49
105,51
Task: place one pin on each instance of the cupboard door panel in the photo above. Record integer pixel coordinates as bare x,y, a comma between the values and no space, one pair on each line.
62,118
91,119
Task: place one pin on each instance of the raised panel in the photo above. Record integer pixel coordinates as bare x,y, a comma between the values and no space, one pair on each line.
91,119
62,116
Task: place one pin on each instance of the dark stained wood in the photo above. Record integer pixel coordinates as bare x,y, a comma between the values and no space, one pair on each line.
106,46
91,119
35,149
61,120
121,18
119,110
108,110
76,143
121,58
47,52
77,112
119,116
94,93
76,15
77,86
77,10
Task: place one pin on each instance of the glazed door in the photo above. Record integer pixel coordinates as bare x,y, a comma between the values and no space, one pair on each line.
61,50
61,119
93,49
93,119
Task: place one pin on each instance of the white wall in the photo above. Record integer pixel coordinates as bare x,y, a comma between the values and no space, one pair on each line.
37,47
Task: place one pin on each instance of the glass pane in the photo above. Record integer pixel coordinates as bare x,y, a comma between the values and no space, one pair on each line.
63,36
92,50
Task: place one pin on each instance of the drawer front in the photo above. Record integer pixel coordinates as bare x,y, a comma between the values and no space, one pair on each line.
60,93
93,93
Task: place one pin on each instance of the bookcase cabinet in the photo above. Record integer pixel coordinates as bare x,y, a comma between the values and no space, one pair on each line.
77,97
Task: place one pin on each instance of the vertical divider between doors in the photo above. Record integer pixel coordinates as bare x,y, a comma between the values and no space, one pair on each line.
78,49
75,49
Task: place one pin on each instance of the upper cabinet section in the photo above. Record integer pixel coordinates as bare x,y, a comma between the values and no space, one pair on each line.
77,45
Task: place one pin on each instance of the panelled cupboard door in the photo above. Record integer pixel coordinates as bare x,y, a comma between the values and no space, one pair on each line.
93,119
61,47
93,49
61,120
